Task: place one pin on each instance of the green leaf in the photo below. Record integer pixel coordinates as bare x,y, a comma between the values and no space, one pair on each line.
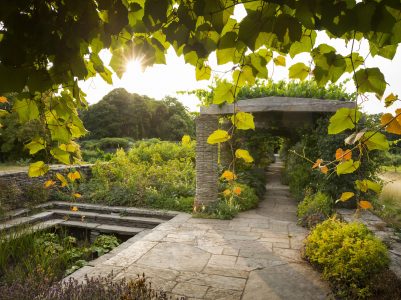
61,155
344,118
35,145
366,184
224,92
375,140
243,120
3,113
304,45
299,71
353,61
370,80
27,110
118,62
37,169
349,166
203,71
243,76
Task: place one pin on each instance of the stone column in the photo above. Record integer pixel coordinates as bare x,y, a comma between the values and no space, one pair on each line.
206,161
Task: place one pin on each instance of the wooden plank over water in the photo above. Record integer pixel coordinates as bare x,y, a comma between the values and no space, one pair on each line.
278,104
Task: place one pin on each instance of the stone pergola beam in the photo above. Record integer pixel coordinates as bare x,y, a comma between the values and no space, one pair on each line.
281,104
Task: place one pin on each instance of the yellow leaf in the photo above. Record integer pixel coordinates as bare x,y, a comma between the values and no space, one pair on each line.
77,195
62,179
324,169
74,208
365,204
346,196
392,125
3,99
343,155
228,175
390,99
317,163
49,183
243,120
279,61
74,175
237,190
218,136
37,169
244,154
226,192
186,139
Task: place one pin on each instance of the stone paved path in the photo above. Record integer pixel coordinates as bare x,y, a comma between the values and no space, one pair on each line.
255,256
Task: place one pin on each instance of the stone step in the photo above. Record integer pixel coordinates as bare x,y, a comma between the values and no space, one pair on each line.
21,221
127,211
103,228
109,219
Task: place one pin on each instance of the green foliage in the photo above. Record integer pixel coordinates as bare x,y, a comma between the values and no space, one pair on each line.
314,142
125,115
261,143
247,199
104,148
314,208
268,88
152,174
348,255
47,257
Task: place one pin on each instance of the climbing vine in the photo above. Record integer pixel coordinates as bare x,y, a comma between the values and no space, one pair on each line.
46,47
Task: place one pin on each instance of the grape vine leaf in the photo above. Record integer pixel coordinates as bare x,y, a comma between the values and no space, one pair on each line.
243,154
344,118
375,140
349,166
299,71
37,169
243,120
218,136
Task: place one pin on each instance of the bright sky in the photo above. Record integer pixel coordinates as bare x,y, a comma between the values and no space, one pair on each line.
162,80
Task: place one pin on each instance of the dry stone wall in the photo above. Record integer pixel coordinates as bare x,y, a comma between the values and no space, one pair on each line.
16,187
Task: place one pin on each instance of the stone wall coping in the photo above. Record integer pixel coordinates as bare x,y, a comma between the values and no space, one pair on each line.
52,168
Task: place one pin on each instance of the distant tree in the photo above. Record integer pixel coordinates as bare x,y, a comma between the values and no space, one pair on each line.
121,114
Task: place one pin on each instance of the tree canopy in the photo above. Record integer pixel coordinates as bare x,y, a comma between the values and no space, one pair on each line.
46,47
121,114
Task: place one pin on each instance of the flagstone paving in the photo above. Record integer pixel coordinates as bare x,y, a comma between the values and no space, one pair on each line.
254,256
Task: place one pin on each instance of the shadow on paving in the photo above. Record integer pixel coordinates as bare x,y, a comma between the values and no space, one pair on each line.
254,256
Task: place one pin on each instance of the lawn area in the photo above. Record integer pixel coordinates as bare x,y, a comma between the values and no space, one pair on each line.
390,198
7,167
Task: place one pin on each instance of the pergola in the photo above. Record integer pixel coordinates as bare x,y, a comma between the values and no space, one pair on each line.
288,111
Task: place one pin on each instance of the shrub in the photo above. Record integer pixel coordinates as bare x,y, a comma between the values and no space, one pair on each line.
348,255
314,209
152,174
247,198
104,288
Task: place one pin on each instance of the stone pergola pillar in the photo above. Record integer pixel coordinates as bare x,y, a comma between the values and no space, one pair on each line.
206,161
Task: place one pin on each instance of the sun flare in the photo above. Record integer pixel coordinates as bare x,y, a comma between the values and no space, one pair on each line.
133,68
